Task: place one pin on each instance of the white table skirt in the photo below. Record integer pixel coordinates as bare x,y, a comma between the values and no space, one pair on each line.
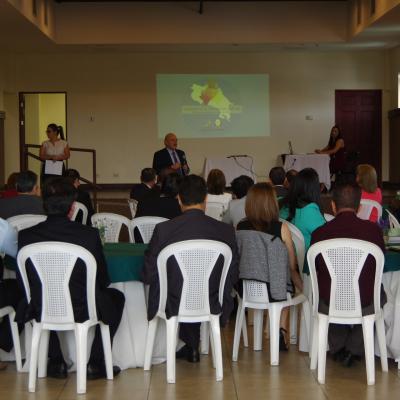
391,314
320,162
232,168
129,341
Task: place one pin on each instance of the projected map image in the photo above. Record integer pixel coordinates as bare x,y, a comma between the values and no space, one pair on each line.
213,106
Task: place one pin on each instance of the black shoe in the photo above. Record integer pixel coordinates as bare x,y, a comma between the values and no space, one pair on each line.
348,360
340,355
57,369
190,354
96,371
282,344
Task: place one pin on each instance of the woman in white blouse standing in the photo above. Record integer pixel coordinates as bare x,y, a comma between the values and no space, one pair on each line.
54,149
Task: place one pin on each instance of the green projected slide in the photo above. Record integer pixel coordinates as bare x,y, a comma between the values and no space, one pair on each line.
204,106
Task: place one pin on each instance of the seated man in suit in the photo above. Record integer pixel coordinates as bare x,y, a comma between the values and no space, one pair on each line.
82,195
147,188
346,342
28,200
192,224
277,178
170,157
10,293
166,205
58,197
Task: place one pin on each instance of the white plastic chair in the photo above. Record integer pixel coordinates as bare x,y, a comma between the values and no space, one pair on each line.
196,260
328,217
366,207
132,203
112,224
10,312
299,245
215,210
145,226
23,221
79,207
394,223
54,262
344,259
255,296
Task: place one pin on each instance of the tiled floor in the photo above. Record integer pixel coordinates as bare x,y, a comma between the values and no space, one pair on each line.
250,378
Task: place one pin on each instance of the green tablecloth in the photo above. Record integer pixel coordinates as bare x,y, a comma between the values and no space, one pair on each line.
392,261
124,261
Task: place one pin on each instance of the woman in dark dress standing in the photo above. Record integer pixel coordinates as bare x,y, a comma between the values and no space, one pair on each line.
335,149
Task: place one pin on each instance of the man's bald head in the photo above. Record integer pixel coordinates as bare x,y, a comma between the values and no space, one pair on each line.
171,141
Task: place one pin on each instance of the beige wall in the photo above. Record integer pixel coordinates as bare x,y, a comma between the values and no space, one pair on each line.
112,102
43,8
381,8
222,22
51,110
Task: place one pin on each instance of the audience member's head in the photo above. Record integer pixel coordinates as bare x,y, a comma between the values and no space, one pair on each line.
12,181
216,182
289,178
241,185
277,176
366,178
192,192
346,196
148,176
261,206
73,174
58,196
304,190
27,183
170,185
54,130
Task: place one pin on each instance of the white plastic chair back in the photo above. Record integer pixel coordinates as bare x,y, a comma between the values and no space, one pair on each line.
54,262
112,224
132,203
394,223
215,210
23,221
196,260
345,259
366,207
328,217
299,243
145,226
79,207
255,292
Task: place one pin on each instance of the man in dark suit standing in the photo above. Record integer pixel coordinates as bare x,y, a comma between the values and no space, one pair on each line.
170,158
28,200
147,188
58,197
192,224
345,341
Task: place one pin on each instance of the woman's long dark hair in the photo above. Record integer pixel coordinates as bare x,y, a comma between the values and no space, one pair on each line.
57,128
304,190
332,140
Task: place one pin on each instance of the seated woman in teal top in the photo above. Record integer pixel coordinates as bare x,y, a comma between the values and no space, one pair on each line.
304,205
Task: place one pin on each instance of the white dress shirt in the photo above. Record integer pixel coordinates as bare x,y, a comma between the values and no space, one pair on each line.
8,238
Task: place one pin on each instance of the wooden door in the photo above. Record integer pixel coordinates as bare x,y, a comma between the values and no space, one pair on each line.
359,116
